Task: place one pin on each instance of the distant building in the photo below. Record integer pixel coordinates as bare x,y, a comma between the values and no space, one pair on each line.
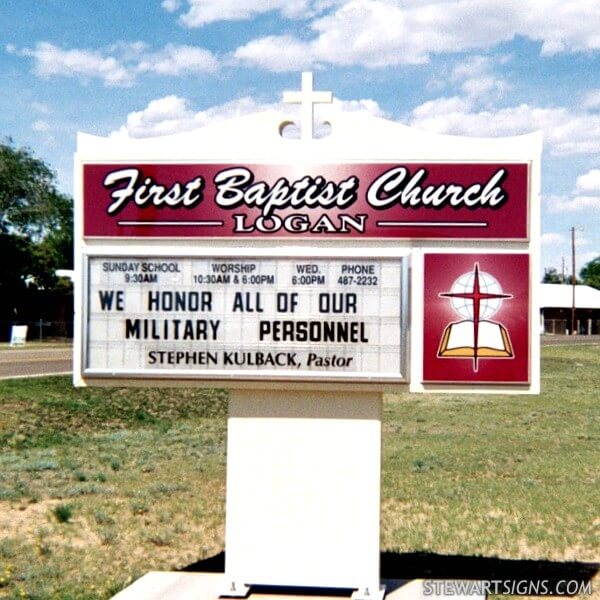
68,273
556,302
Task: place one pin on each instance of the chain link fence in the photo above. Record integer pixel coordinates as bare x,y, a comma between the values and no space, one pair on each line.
563,326
40,330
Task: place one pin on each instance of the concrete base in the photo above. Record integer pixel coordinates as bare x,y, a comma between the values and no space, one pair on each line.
207,586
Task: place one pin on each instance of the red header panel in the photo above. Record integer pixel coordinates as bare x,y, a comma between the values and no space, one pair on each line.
379,200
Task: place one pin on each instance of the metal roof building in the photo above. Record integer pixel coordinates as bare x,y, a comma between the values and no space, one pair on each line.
556,302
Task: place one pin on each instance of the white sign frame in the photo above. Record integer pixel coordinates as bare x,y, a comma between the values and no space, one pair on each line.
381,141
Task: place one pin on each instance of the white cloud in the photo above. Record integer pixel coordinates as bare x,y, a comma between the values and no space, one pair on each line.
584,203
574,203
381,33
552,239
586,257
361,106
40,125
117,65
173,114
476,77
202,12
591,100
177,60
162,116
40,107
437,114
563,26
171,5
585,195
590,182
44,131
565,132
50,60
276,53
582,241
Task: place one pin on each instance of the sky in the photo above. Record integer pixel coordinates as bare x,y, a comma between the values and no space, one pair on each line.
482,68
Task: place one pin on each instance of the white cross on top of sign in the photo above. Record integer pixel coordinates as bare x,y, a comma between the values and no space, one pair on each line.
307,97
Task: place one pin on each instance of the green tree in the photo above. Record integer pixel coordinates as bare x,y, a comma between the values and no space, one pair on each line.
15,252
34,215
590,273
551,276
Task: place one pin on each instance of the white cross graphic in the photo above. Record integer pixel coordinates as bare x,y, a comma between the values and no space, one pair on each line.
307,98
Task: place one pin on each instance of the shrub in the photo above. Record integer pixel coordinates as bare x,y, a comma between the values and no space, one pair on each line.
63,512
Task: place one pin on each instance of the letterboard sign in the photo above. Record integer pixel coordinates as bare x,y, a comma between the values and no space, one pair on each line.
211,317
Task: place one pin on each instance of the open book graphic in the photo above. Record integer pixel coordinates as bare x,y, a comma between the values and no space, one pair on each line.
459,340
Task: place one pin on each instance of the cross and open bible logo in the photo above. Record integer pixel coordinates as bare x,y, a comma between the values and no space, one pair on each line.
476,314
476,296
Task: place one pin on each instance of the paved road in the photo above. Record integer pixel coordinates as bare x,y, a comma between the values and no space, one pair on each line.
23,361
29,361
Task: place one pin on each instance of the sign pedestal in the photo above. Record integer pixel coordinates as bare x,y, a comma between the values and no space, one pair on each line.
303,491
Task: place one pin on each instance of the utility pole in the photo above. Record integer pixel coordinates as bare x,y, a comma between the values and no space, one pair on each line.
574,278
562,273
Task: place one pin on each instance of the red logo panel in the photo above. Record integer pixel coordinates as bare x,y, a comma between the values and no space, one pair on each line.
476,318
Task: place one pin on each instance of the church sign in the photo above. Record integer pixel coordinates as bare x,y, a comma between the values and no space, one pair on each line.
307,276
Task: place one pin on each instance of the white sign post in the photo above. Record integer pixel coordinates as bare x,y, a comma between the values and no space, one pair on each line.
308,276
303,471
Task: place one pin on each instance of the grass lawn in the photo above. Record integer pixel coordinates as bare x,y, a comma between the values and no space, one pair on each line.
98,486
